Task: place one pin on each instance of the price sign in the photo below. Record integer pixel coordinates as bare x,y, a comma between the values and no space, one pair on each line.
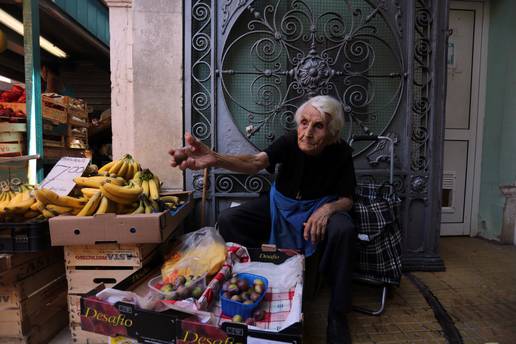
60,178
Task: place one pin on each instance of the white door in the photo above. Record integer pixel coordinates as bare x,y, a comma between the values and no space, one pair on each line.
462,111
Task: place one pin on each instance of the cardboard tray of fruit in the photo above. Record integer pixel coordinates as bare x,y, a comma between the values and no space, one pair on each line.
125,318
120,229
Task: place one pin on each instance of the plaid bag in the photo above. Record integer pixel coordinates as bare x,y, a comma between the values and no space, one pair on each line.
375,210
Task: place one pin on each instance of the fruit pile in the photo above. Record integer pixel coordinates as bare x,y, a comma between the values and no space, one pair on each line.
7,114
16,205
183,288
16,94
122,187
239,290
245,294
12,113
119,187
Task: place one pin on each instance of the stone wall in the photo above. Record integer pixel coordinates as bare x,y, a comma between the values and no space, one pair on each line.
146,79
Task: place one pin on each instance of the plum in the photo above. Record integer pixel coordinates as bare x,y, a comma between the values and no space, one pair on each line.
258,288
242,284
236,298
233,288
226,295
254,296
197,292
225,286
182,292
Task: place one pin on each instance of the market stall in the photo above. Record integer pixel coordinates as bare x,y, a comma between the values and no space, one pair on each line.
111,220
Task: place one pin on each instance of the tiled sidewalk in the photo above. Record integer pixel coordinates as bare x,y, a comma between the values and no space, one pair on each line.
478,290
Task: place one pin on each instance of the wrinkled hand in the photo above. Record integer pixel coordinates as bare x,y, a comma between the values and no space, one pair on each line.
195,155
315,227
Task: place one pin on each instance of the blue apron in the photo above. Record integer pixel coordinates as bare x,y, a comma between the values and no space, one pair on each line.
288,216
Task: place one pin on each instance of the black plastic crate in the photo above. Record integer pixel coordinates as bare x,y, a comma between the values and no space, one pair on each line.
24,237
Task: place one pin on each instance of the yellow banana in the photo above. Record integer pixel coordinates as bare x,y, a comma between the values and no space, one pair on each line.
47,196
129,173
89,192
58,209
131,191
173,199
36,206
115,198
140,209
47,213
116,167
103,207
145,187
137,178
96,181
123,169
91,206
15,199
106,167
21,207
153,189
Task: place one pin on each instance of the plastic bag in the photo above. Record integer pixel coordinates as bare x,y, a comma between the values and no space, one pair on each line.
283,276
199,253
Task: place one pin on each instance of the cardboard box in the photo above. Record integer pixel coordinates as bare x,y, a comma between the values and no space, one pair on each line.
171,327
120,229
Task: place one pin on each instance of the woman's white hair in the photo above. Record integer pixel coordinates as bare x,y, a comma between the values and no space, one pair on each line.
326,105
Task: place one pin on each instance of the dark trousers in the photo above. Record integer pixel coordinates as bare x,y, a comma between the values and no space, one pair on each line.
250,225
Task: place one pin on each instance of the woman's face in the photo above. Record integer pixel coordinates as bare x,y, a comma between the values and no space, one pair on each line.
312,131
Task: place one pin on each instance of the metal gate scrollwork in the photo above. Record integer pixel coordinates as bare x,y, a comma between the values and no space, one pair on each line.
250,64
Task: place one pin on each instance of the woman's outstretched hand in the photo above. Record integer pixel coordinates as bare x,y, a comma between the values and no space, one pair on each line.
195,155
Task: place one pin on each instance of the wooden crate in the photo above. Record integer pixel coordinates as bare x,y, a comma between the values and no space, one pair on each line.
77,137
107,255
35,310
54,107
12,139
17,267
86,337
13,294
88,266
40,334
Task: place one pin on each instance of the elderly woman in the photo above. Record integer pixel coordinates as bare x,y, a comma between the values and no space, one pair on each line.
307,207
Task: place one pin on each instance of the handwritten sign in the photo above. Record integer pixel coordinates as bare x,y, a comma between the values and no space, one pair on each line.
60,178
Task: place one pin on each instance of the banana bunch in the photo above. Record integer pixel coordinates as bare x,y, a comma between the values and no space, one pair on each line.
170,202
50,204
97,181
111,197
147,206
5,197
126,167
149,182
17,204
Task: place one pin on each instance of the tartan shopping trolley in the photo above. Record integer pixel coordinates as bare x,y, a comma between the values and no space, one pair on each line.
375,210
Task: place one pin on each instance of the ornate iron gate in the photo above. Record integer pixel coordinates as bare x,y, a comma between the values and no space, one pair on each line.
250,64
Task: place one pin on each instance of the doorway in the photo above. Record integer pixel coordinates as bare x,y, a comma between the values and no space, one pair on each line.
463,128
